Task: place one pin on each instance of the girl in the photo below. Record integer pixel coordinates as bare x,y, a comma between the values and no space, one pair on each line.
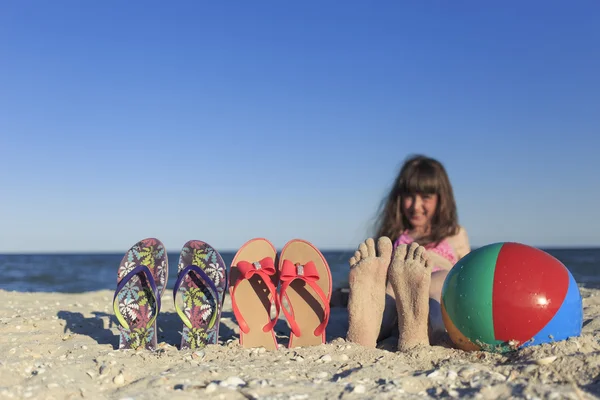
403,282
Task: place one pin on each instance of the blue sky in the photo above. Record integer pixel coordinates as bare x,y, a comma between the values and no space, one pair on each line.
224,121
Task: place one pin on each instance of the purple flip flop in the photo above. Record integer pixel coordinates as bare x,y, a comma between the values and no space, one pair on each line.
201,285
141,280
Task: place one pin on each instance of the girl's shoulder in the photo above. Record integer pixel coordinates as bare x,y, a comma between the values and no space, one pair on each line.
444,249
460,242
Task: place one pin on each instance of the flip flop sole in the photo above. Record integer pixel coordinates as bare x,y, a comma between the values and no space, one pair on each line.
199,303
135,300
253,297
306,305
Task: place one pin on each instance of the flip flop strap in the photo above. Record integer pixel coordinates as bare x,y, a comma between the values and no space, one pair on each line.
291,272
266,277
140,269
210,286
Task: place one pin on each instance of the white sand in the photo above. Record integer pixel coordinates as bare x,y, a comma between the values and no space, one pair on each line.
63,346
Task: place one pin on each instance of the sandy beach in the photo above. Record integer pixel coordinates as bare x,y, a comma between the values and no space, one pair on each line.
64,346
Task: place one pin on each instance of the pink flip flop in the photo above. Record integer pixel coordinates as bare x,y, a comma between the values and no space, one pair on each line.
306,285
253,292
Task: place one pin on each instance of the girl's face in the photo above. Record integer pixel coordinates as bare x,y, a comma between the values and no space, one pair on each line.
419,209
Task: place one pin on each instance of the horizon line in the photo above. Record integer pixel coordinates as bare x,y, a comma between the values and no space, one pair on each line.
336,249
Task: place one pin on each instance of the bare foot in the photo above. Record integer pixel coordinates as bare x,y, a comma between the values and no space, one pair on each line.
410,276
368,271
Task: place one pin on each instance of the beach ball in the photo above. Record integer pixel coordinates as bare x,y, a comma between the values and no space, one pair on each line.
505,296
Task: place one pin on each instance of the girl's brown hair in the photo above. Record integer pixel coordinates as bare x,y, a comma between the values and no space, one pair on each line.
422,175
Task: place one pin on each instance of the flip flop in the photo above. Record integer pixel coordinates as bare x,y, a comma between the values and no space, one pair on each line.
253,292
306,285
201,282
141,281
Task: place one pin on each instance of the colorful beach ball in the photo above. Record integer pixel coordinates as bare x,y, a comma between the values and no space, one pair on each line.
504,296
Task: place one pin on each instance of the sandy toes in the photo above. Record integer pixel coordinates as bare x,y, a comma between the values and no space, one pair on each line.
410,276
368,271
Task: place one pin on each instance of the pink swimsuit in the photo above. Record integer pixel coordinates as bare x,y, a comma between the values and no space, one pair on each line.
444,249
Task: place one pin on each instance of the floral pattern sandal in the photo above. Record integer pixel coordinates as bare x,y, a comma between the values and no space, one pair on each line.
201,284
141,280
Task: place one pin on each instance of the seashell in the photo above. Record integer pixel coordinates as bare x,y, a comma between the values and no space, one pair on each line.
545,360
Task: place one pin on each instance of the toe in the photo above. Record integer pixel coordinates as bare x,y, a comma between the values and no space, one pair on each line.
419,253
424,259
400,252
357,255
385,247
352,261
427,263
370,247
411,250
364,252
